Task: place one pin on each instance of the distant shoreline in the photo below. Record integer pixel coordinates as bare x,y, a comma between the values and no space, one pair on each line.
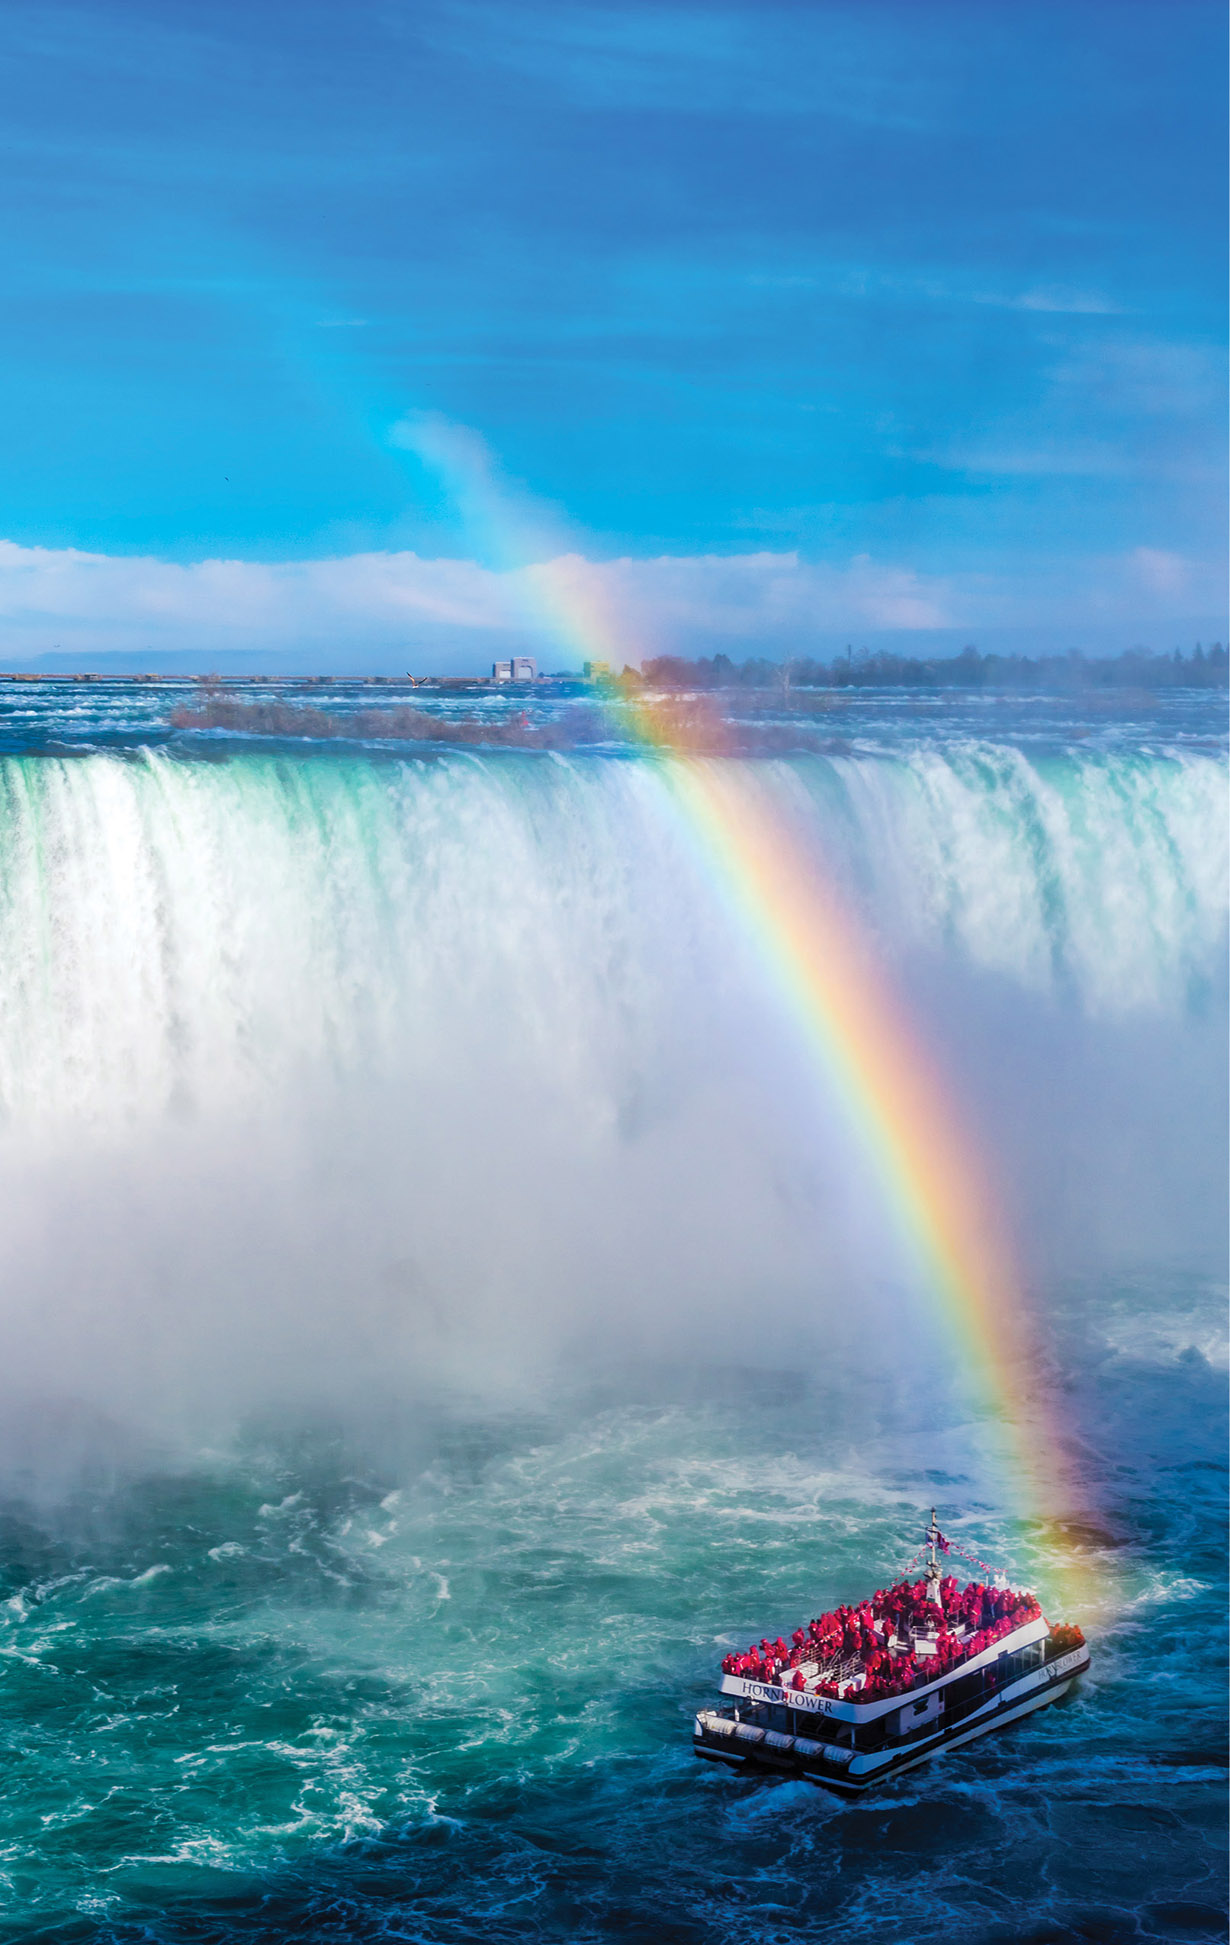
759,680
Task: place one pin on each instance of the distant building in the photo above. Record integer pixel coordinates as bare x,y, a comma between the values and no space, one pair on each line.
524,669
597,671
502,672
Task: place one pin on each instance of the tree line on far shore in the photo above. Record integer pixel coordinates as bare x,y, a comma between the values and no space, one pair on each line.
1135,668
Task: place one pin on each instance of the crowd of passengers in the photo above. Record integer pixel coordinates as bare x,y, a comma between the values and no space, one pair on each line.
984,1615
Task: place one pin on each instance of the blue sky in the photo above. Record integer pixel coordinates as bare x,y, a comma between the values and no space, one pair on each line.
922,297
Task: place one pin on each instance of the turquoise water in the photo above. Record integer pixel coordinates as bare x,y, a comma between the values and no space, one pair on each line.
444,1312
449,1695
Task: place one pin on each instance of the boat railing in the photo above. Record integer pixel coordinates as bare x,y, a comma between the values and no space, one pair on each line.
839,1668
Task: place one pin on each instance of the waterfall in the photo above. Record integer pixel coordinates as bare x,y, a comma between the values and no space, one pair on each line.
313,1064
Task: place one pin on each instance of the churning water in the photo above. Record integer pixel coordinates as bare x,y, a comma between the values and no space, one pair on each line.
443,1311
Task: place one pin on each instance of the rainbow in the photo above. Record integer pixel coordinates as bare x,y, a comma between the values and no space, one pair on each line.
854,1025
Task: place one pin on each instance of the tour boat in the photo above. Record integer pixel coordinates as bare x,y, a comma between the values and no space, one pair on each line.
859,1695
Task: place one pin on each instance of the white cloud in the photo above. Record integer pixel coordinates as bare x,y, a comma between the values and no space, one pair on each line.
948,285
107,601
52,597
611,56
1160,572
1053,297
381,610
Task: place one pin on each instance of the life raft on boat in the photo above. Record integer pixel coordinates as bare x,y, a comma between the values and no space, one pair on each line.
863,1693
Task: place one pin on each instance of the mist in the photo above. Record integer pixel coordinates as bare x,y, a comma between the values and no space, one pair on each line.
332,1081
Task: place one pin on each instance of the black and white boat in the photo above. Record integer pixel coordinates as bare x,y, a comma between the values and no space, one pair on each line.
868,1691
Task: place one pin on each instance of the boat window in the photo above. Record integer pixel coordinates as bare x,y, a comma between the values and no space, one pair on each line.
841,1733
767,1715
1022,1662
968,1689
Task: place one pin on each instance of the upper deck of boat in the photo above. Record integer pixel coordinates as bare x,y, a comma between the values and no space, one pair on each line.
859,1660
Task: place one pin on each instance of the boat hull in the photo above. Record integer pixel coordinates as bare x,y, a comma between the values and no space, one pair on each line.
854,1774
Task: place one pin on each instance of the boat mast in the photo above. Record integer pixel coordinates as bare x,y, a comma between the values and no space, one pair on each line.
933,1576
